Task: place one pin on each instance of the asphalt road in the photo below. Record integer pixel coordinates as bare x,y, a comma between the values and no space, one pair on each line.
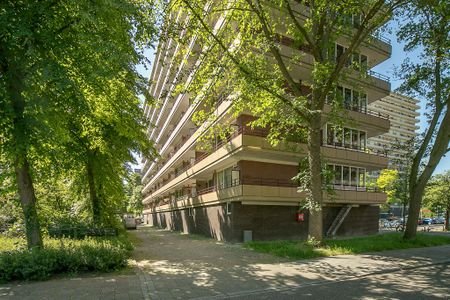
430,282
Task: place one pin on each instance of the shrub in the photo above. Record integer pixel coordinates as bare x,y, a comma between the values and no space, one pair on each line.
63,256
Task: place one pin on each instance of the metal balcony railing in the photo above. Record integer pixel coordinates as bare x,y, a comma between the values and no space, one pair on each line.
378,75
357,148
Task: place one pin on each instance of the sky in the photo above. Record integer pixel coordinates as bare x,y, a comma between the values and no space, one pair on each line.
386,68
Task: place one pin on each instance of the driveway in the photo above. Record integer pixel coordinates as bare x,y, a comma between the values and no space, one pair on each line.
168,265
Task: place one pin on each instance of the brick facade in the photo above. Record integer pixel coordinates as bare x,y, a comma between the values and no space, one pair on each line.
266,222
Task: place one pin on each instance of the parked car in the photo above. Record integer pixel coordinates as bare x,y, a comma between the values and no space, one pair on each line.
439,220
427,221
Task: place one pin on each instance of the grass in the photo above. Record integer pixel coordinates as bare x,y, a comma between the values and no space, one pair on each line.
304,250
62,256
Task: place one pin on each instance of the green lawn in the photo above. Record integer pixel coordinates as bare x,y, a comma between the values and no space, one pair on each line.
303,250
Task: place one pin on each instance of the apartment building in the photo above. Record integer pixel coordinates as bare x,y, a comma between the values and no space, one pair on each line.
242,184
404,116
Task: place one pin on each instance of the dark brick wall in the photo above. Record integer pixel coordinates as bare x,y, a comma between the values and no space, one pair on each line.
211,221
256,169
362,220
266,222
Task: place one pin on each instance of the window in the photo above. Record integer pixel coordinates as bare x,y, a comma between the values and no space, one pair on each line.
347,137
362,177
330,134
339,51
362,140
347,98
358,59
339,137
338,175
353,176
228,208
190,211
345,175
355,136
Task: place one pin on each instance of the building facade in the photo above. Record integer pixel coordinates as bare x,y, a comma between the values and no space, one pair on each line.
404,116
243,183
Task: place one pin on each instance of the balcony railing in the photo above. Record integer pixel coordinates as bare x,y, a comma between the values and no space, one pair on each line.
381,37
357,148
370,189
378,75
365,110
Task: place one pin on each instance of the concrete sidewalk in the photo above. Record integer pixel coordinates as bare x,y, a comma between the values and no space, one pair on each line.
170,265
182,267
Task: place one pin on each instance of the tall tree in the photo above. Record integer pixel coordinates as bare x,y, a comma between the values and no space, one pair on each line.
427,31
437,195
253,54
56,59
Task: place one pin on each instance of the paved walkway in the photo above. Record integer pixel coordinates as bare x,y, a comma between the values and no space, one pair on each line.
175,266
170,265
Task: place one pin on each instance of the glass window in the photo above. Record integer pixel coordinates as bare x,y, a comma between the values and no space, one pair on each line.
345,175
338,141
347,98
355,135
227,177
340,93
363,61
362,177
221,179
353,176
229,208
355,102
330,134
235,175
339,136
339,51
355,57
338,175
356,21
347,137
363,102
362,140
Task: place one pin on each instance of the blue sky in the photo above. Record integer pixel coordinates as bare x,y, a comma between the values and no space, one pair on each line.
386,68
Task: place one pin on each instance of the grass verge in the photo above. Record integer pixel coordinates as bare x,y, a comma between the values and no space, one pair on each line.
304,250
60,256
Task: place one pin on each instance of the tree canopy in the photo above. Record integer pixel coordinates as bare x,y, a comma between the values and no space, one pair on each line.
69,86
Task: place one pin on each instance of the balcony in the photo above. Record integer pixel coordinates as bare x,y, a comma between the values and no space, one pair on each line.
263,191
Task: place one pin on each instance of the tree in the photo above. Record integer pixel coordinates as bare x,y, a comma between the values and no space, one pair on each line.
58,58
403,165
134,194
437,195
254,57
427,31
388,181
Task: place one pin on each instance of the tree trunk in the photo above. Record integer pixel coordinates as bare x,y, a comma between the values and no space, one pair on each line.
315,221
28,202
447,215
20,139
95,201
415,202
417,187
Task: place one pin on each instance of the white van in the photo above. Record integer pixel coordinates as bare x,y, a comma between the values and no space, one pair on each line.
129,221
